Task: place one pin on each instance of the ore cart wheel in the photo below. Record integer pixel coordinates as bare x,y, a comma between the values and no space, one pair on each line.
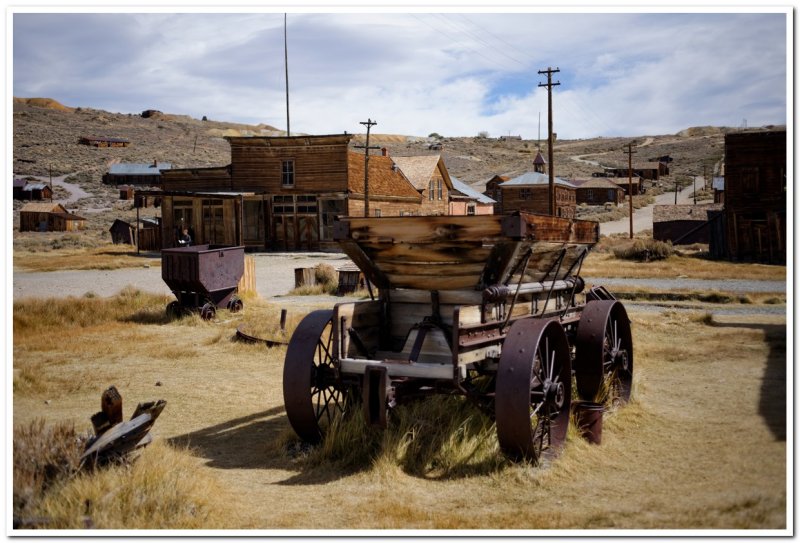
235,304
208,312
533,391
174,310
311,393
604,353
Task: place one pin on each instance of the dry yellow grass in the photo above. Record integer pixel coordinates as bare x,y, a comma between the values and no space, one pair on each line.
106,257
702,446
600,264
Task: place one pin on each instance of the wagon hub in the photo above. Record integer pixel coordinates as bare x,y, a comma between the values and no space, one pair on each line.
554,393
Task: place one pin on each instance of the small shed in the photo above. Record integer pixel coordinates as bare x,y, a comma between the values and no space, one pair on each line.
48,217
125,192
37,191
683,224
350,279
122,233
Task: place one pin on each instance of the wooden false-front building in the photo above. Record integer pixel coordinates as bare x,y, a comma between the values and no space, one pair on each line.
755,196
281,193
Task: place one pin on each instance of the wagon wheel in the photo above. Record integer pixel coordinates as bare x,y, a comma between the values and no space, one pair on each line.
312,395
533,390
174,310
604,353
235,304
208,311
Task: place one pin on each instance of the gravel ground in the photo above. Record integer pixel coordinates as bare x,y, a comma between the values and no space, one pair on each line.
274,278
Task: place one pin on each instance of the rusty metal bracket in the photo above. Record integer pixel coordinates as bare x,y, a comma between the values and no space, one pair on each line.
514,226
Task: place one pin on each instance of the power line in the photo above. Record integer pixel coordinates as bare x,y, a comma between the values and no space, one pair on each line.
551,196
369,123
480,39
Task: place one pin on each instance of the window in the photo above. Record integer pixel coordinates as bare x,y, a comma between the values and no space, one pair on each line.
307,203
590,195
610,197
377,213
430,190
471,209
287,173
283,205
439,188
525,194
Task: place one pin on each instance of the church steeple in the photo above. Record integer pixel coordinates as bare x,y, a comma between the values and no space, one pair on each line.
539,163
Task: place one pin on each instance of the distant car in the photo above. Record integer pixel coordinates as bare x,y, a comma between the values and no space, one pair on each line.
435,146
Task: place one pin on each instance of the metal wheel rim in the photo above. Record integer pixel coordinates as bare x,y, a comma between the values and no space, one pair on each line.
533,390
604,353
312,396
208,312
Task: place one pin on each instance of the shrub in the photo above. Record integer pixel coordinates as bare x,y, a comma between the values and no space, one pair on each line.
325,274
646,250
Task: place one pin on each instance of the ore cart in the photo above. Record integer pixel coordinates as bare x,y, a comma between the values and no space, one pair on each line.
484,306
203,278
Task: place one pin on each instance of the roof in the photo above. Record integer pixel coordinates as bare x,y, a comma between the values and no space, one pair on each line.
383,179
595,183
43,207
535,179
685,212
139,169
418,169
466,190
34,186
19,183
718,183
539,158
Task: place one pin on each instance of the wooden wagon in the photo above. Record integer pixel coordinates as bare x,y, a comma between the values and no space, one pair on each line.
484,306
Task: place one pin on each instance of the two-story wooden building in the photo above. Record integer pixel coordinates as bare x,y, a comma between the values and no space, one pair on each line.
429,176
282,193
755,195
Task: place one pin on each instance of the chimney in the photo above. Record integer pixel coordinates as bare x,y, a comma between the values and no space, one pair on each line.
155,163
384,151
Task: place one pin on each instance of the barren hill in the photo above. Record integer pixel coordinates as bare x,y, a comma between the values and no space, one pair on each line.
46,136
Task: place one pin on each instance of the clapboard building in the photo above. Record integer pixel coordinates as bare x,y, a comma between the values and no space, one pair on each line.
755,196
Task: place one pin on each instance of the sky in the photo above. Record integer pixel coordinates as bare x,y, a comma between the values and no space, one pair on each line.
453,72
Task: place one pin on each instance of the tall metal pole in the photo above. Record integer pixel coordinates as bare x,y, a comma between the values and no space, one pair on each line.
286,66
369,123
551,193
630,186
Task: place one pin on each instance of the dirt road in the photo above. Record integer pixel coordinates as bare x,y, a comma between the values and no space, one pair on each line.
643,217
274,277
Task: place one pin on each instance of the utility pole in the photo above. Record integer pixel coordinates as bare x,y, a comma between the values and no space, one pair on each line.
369,123
630,152
50,168
551,193
286,66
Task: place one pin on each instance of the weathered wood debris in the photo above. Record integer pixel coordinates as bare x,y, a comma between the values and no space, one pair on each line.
115,439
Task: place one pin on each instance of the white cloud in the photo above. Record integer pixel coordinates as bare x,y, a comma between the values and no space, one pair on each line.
453,73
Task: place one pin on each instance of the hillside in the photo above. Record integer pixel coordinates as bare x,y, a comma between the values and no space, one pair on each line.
46,137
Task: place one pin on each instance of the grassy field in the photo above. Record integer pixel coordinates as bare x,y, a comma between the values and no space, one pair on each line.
703,444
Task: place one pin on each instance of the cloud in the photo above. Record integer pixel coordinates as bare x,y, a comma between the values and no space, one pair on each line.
416,73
